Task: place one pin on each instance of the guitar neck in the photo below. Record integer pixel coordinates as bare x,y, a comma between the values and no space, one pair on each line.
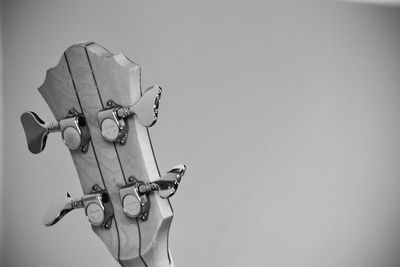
103,116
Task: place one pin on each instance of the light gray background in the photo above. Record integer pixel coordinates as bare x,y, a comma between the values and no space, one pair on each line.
286,114
1,145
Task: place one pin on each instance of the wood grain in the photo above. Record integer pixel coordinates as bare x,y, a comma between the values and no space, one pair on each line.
122,85
85,78
59,93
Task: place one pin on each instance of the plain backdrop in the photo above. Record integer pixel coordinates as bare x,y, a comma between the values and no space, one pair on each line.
286,114
1,146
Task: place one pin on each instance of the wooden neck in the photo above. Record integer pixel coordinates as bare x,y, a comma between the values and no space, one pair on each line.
85,79
157,255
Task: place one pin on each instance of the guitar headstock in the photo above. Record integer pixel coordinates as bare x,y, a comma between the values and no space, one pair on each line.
103,116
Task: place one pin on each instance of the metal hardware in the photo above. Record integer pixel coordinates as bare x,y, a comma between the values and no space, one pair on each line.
108,223
73,112
134,196
112,127
96,188
146,108
74,131
95,209
168,184
97,206
132,179
112,121
134,204
59,208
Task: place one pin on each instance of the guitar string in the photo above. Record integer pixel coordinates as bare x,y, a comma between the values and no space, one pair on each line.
169,202
102,105
94,152
158,169
115,147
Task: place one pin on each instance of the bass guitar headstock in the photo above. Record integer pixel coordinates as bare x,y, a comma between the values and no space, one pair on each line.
103,115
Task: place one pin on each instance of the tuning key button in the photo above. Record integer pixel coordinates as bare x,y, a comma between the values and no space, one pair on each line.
134,204
112,121
74,131
98,208
59,207
112,128
134,198
168,184
36,131
146,108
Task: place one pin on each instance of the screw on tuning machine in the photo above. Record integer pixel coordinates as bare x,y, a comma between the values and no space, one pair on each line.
74,131
134,196
112,121
97,206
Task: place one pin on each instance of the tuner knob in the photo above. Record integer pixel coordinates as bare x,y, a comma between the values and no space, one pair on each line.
134,204
112,121
74,132
134,196
169,182
97,206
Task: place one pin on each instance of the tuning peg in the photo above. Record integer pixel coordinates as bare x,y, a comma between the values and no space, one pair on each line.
112,120
168,184
134,196
134,204
74,131
97,208
36,131
59,208
146,108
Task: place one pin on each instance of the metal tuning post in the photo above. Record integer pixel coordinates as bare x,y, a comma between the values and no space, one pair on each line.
74,131
112,121
134,196
97,206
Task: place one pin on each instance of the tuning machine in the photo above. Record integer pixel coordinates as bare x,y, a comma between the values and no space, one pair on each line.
134,198
97,206
74,131
112,120
134,203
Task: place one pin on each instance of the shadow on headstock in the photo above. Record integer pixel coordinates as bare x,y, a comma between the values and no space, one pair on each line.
103,116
